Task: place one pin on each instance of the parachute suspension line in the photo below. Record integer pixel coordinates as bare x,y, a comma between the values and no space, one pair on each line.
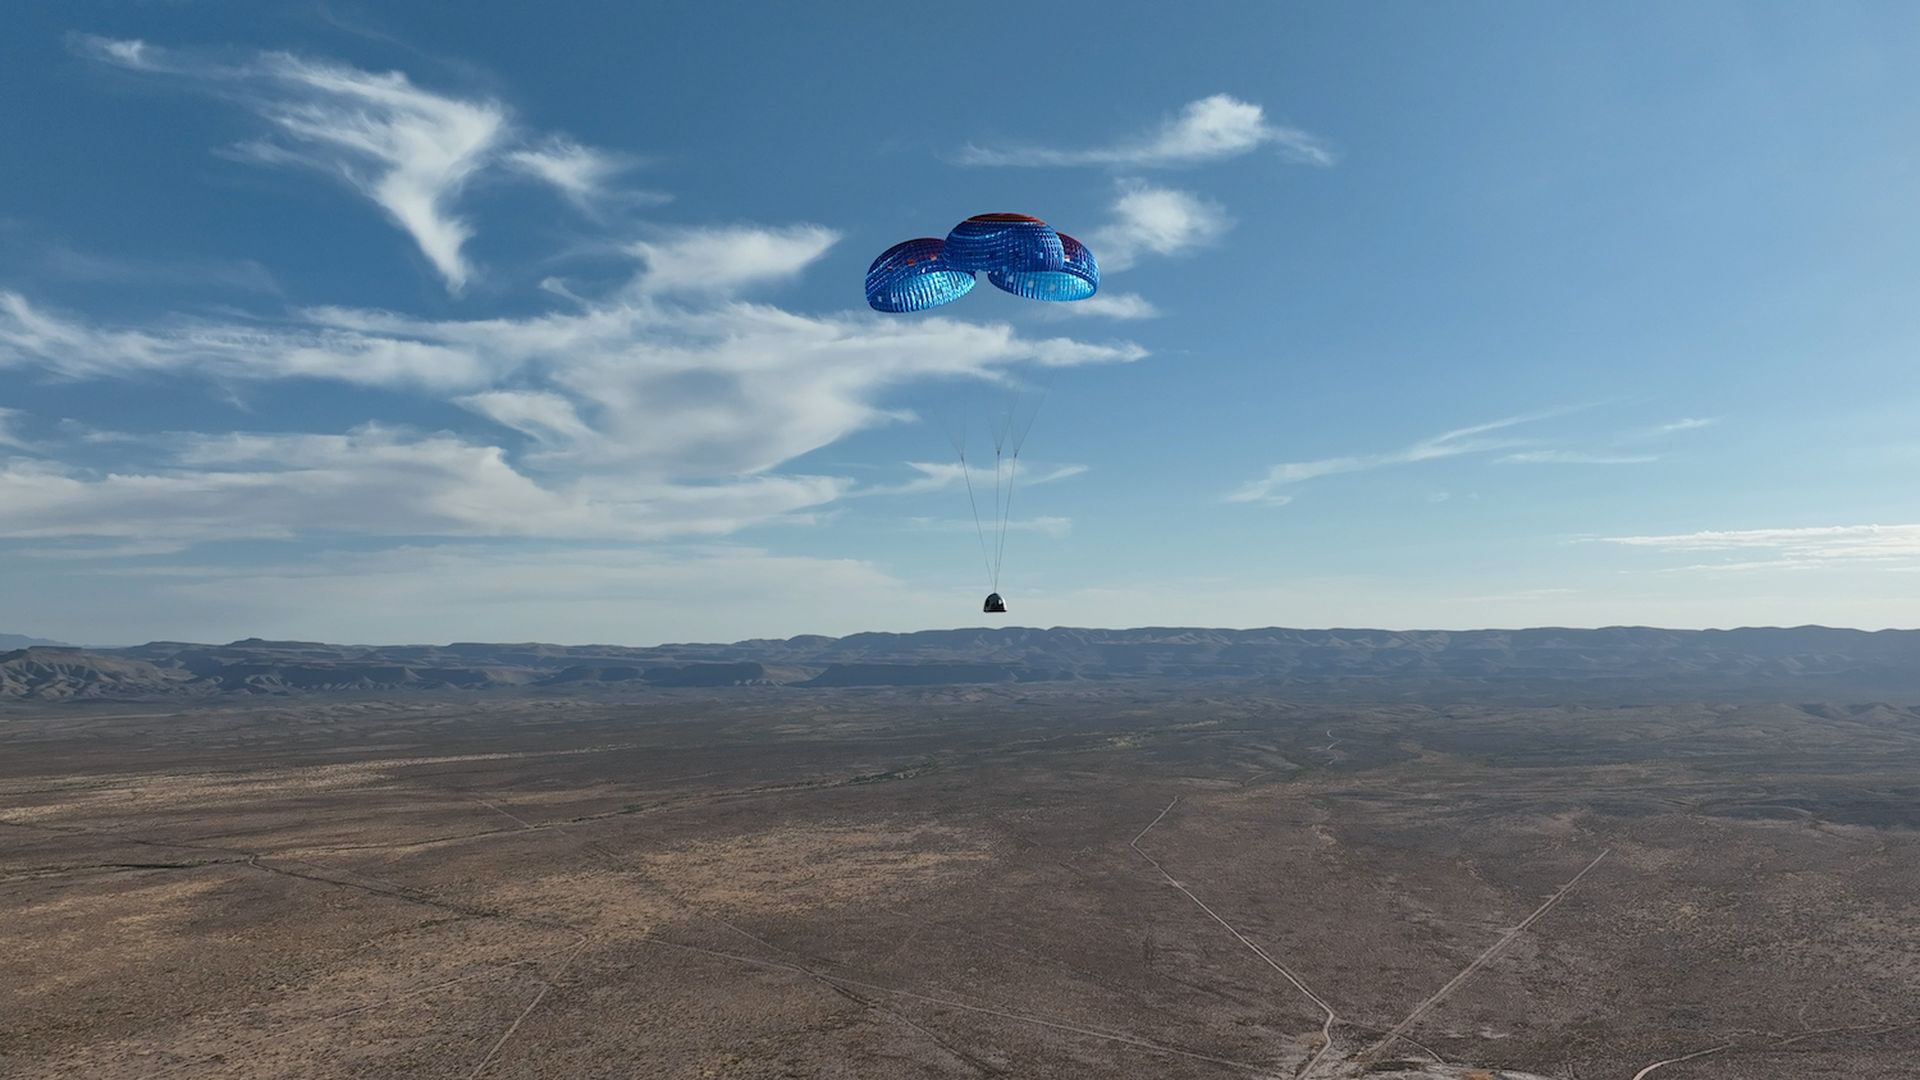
999,514
1014,436
1002,495
966,473
1008,433
1000,555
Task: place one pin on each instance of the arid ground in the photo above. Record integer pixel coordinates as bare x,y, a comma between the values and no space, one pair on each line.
1167,881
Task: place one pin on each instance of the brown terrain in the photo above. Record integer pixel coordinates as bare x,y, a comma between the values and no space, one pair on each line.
1158,875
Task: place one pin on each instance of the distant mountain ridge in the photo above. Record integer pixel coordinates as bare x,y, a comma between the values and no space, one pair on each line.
22,641
1817,661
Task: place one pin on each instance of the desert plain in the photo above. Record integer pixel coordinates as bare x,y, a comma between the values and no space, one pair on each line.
1162,879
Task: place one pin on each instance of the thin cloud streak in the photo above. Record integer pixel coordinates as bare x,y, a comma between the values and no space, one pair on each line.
1574,457
9,427
948,475
1054,527
1673,427
244,275
1109,305
721,260
410,151
1209,129
374,482
717,388
1790,548
1456,443
584,175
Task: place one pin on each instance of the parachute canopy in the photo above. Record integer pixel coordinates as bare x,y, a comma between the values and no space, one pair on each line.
1019,254
990,242
1076,278
911,276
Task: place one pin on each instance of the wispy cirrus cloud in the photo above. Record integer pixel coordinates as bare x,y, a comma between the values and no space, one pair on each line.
1808,547
67,264
73,348
1663,432
1210,129
655,408
581,173
946,475
715,388
630,417
9,429
1622,455
722,259
542,415
1574,457
1054,527
1150,220
72,552
373,481
409,150
1110,305
549,591
1685,423
1477,439
1481,440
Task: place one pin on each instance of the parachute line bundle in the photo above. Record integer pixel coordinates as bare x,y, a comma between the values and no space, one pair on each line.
1019,254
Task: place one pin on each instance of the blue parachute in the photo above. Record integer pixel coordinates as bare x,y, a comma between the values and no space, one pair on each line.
1020,254
911,276
1077,278
989,242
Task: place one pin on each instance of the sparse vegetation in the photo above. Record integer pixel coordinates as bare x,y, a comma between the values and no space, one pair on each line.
929,883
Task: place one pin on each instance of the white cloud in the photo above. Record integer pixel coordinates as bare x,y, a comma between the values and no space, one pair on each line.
409,150
1152,220
545,416
1110,305
9,429
719,260
943,475
1054,527
1573,457
571,593
132,54
1660,432
374,481
581,173
133,549
933,476
1521,596
1791,548
719,389
1210,129
245,274
1467,440
1050,474
646,418
656,410
31,337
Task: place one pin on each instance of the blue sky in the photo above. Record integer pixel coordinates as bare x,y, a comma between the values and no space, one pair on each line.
365,323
